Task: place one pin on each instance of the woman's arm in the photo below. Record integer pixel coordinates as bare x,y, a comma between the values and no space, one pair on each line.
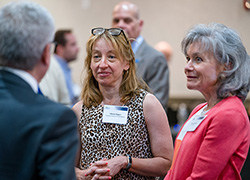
80,174
160,140
77,108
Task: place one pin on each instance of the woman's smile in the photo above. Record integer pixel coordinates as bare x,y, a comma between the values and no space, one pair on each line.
104,74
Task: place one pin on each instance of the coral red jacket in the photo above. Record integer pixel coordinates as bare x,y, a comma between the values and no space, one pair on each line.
217,148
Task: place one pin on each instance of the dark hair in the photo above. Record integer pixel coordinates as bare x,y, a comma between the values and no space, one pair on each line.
60,37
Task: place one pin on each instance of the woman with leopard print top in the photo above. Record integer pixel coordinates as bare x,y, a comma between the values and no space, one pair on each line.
123,128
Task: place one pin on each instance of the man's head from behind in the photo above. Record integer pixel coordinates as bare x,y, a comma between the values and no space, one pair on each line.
26,31
66,47
126,16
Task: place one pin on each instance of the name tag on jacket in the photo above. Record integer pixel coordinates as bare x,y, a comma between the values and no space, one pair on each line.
191,125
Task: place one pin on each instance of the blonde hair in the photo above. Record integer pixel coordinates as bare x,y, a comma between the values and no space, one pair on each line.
130,84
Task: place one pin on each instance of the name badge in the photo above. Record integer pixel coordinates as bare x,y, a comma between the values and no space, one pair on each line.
115,114
191,125
194,123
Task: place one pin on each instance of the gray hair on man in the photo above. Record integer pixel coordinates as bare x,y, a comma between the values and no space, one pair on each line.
25,29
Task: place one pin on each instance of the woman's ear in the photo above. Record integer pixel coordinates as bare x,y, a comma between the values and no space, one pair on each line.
127,66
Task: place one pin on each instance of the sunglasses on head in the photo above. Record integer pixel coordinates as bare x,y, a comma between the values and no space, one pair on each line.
112,31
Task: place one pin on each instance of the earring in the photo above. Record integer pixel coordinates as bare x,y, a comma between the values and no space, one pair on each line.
222,76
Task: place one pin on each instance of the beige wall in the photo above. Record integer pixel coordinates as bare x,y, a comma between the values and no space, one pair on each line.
164,20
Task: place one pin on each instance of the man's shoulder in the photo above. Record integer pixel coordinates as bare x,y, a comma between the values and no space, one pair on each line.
149,51
51,108
52,113
145,46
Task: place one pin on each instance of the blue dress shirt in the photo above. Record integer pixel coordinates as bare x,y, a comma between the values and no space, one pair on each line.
67,74
136,44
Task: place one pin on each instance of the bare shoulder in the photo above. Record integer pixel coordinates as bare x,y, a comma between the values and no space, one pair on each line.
151,101
152,107
77,108
154,113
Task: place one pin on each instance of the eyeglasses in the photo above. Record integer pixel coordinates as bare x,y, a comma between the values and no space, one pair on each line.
112,31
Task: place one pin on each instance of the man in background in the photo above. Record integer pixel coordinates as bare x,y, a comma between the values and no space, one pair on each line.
66,51
38,137
53,84
152,66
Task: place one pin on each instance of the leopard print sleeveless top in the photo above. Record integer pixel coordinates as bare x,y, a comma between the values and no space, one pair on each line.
105,140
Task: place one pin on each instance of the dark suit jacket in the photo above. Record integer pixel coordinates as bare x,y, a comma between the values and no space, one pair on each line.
153,69
38,138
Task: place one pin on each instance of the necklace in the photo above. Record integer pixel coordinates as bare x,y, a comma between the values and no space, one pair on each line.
212,105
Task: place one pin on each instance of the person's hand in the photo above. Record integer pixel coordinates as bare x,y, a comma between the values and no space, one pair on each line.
116,164
99,170
105,169
80,174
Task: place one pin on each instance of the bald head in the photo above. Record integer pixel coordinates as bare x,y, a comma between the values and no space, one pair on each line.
127,6
126,16
164,48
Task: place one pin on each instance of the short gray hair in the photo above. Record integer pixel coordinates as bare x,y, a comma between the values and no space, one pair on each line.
25,29
228,49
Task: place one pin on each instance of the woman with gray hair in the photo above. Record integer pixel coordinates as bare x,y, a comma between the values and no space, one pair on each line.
214,141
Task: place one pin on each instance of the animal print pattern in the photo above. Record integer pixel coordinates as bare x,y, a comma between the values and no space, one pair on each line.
105,140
